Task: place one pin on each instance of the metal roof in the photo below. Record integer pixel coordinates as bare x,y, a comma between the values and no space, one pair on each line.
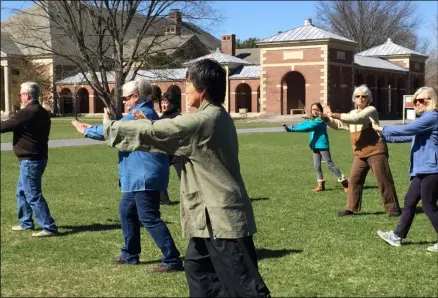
376,63
388,49
176,74
246,71
152,75
252,55
219,57
305,32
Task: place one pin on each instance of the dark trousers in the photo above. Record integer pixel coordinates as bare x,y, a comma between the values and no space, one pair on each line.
380,166
143,207
424,188
176,162
223,268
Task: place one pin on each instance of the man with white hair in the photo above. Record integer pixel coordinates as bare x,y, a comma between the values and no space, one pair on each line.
141,177
31,128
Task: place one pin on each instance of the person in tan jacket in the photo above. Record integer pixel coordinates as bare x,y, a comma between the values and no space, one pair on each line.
216,212
369,153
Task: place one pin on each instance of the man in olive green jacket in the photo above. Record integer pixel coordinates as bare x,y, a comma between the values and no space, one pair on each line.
216,212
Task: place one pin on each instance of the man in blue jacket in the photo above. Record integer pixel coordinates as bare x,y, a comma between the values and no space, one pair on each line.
142,176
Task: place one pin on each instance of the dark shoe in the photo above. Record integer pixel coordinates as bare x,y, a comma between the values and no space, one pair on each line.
394,214
167,202
345,212
121,261
163,269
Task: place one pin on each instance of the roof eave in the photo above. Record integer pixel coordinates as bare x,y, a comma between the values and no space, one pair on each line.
309,41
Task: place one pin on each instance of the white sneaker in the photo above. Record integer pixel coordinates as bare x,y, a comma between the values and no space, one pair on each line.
19,228
390,237
433,248
43,233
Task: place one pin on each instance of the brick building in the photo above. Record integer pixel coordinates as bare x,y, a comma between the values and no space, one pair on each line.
289,71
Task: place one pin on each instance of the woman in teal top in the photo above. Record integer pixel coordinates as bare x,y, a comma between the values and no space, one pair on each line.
319,143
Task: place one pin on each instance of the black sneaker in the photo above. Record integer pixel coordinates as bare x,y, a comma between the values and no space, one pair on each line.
345,213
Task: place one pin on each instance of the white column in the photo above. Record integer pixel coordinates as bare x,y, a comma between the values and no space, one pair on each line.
8,83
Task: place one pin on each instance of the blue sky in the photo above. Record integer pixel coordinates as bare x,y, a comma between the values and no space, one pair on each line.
265,18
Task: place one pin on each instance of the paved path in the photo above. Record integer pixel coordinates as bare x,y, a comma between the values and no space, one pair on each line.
86,142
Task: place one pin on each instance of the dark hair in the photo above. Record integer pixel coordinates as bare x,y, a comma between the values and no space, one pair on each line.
171,98
319,108
209,76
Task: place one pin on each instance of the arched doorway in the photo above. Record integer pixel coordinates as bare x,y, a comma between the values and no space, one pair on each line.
243,97
66,99
294,97
259,100
83,101
391,96
176,92
358,80
398,103
415,85
381,95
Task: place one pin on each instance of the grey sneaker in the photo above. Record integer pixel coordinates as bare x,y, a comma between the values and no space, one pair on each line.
390,237
43,233
19,228
433,248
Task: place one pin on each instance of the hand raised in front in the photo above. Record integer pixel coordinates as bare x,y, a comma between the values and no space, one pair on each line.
376,126
80,127
138,115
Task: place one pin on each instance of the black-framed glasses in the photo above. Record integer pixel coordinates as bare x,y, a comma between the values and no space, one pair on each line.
420,100
359,96
128,97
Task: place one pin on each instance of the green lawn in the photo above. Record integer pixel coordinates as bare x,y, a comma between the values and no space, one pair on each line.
304,248
62,128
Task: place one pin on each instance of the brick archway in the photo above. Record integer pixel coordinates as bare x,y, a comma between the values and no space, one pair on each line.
66,101
293,95
243,97
83,101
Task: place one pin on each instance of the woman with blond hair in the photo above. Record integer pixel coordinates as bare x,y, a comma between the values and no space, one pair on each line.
423,172
369,153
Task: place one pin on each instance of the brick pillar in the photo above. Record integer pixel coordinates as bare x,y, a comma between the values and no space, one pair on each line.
91,103
254,102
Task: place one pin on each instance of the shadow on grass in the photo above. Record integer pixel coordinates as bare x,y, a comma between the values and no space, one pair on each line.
370,187
264,253
259,199
419,210
418,243
170,203
95,227
370,213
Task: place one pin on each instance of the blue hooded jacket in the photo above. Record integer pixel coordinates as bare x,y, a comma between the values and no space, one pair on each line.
138,170
423,133
317,133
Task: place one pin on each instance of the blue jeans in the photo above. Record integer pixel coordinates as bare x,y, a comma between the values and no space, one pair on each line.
143,207
30,196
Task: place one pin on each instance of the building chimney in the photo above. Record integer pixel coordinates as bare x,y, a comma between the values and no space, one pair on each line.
174,22
175,14
308,22
228,44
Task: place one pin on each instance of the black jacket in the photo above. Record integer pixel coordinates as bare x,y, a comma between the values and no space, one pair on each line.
31,127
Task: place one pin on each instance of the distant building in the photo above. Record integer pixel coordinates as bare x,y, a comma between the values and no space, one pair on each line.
285,74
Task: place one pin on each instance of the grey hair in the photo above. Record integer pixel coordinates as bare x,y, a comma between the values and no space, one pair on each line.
140,86
31,88
365,90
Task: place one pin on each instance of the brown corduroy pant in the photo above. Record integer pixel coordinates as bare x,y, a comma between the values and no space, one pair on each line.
380,167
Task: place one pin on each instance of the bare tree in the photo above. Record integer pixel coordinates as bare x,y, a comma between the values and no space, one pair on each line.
106,40
370,23
431,77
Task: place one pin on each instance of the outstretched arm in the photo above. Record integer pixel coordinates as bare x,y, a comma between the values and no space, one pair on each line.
359,117
426,123
16,121
306,126
174,136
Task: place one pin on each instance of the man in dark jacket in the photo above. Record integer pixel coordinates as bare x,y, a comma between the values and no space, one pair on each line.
31,128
